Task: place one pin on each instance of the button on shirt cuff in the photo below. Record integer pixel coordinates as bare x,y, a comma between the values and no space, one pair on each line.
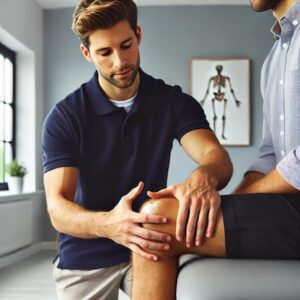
289,168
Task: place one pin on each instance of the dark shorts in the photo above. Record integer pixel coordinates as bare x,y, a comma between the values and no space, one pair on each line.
263,226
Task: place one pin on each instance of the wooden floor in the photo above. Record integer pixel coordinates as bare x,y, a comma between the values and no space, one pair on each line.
31,279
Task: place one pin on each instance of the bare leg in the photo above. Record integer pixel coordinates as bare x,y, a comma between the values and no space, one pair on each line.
157,280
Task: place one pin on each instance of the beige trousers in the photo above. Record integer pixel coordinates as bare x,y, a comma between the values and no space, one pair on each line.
98,284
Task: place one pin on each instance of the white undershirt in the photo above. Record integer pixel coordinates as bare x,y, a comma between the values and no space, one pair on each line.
126,104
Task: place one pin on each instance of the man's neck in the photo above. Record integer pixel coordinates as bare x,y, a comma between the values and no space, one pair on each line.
116,93
282,8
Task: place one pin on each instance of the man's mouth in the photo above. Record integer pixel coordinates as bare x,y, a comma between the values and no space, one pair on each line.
122,73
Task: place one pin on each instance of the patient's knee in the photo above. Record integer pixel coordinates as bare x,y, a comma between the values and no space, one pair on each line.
160,206
167,207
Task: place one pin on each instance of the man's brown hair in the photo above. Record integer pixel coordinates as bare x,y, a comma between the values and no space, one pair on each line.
90,15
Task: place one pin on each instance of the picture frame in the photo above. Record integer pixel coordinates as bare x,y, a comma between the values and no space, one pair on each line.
222,87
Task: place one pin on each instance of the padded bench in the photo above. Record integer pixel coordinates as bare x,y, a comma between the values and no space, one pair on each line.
203,278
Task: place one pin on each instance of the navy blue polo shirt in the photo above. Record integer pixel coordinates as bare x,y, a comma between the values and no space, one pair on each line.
114,151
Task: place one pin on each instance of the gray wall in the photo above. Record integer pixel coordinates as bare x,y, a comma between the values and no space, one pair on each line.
171,37
23,33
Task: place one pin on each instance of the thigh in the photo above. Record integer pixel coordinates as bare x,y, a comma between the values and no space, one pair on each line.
89,284
262,226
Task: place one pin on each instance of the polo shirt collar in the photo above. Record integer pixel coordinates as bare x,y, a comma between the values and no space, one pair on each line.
98,98
103,106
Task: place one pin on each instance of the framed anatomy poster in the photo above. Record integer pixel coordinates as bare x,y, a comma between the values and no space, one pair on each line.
222,87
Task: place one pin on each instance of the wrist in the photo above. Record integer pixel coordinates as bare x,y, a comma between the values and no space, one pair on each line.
202,176
100,224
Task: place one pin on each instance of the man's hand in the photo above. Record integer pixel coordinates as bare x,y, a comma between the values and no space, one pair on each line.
199,202
123,227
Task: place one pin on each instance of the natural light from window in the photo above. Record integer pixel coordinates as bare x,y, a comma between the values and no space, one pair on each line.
6,110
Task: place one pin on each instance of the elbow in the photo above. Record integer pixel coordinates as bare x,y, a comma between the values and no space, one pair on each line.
227,171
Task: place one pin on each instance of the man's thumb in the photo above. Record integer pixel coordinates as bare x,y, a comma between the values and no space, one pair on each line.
166,192
132,195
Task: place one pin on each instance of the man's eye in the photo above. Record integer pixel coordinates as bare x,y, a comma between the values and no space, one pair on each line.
126,46
104,53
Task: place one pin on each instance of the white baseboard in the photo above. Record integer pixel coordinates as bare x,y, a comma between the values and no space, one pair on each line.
20,254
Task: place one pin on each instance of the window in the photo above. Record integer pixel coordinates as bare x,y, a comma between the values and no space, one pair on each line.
7,110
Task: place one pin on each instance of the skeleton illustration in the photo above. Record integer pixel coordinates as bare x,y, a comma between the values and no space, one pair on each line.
219,85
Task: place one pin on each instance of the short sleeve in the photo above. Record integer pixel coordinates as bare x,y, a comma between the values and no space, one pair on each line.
189,116
59,140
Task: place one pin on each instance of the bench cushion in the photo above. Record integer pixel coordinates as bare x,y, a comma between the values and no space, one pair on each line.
233,279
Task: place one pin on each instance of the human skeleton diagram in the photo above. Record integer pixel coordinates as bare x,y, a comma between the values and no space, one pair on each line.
219,85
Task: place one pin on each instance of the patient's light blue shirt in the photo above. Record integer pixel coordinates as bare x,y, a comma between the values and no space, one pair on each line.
280,87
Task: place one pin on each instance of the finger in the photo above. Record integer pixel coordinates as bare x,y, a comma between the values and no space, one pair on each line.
166,192
133,193
212,218
181,221
152,235
192,225
136,249
147,219
201,225
149,245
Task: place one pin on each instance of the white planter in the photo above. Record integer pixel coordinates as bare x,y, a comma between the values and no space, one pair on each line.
15,184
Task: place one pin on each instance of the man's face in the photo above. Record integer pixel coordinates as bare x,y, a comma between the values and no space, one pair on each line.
263,5
115,53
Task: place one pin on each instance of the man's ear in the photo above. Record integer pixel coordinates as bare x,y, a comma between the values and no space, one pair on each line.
139,34
86,53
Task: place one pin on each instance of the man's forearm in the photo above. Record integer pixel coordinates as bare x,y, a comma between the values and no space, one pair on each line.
272,182
217,166
70,218
247,183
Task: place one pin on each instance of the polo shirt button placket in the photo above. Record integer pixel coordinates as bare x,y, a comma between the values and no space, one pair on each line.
127,145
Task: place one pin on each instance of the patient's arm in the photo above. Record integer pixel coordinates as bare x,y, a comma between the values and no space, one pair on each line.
272,182
157,280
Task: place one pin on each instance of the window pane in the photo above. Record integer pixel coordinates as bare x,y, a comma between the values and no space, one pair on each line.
1,78
5,158
7,87
2,121
8,125
8,78
1,163
8,153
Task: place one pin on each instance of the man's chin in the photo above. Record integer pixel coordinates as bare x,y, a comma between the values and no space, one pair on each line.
261,6
122,84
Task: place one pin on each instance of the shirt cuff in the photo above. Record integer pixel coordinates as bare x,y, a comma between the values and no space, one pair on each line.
289,168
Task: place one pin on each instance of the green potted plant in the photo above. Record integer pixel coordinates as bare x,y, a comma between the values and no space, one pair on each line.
16,172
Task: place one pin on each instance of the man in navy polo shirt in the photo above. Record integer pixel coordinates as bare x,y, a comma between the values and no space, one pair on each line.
107,144
262,219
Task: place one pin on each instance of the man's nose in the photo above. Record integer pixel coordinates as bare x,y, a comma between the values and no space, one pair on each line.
119,59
